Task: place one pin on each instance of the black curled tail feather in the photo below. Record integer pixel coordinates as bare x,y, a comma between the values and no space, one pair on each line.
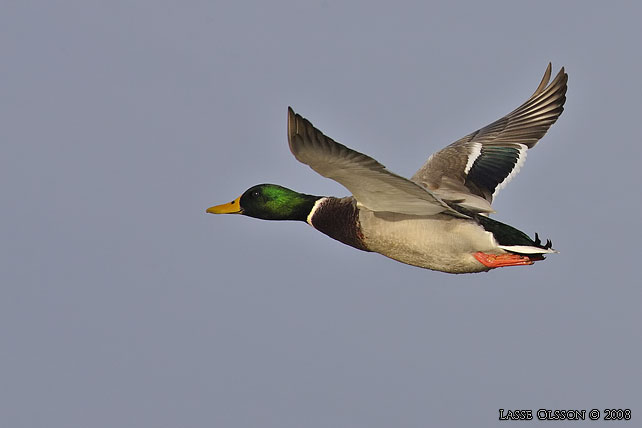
537,243
508,235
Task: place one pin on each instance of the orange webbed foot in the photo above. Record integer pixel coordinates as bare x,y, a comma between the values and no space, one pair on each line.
502,260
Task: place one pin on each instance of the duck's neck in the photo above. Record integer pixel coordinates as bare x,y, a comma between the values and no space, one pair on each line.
299,207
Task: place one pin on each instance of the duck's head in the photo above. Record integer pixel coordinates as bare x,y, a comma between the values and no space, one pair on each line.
269,202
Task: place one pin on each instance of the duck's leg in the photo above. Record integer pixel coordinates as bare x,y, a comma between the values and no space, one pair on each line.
502,260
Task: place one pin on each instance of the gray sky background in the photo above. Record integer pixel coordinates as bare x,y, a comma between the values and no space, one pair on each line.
124,305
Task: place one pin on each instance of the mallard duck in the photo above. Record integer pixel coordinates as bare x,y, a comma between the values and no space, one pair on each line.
438,219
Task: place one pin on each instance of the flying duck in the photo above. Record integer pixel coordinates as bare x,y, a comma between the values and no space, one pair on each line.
438,219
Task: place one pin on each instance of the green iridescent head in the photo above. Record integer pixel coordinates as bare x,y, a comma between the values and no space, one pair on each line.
269,202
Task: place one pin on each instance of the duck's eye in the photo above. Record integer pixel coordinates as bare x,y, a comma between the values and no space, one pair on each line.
255,194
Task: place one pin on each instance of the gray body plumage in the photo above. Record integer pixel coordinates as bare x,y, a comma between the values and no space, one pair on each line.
440,242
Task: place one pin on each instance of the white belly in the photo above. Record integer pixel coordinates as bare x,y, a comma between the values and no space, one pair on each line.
440,242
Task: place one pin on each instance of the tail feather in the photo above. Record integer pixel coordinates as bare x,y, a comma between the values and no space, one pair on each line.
538,243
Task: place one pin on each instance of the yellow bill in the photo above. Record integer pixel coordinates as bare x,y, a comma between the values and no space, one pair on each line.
233,207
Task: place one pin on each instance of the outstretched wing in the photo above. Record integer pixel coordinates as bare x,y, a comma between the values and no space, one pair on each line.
372,185
474,168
